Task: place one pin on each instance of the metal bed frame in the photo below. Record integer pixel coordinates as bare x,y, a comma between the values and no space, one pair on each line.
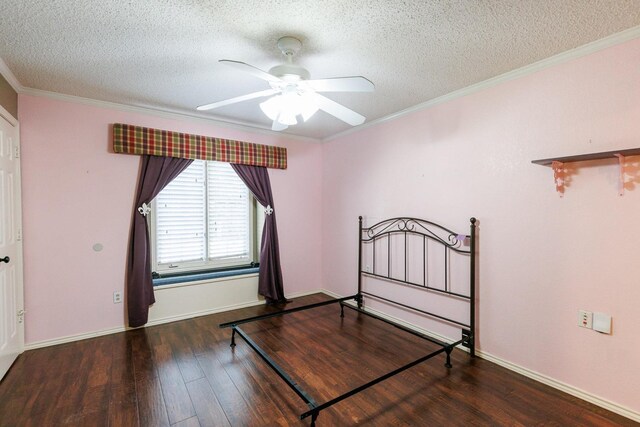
452,244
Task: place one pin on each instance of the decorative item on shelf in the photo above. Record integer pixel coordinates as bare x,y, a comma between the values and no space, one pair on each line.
559,171
621,176
558,176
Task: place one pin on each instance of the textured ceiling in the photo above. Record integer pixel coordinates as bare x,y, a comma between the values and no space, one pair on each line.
163,53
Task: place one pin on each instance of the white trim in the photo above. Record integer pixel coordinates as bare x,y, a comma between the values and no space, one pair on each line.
566,388
589,48
9,77
559,385
168,319
71,338
578,52
13,121
330,293
167,113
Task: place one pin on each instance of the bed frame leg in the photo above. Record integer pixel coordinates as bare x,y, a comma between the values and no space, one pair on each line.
314,417
341,310
448,362
233,338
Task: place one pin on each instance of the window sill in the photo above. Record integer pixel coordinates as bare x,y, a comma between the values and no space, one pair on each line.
198,277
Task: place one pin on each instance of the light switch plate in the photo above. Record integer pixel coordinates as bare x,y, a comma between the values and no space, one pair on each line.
602,323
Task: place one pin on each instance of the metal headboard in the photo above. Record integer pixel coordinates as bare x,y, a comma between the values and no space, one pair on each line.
453,244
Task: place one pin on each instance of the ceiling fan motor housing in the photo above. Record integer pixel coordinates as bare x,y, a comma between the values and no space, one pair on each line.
290,72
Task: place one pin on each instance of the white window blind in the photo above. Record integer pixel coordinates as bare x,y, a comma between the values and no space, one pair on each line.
180,217
203,219
229,234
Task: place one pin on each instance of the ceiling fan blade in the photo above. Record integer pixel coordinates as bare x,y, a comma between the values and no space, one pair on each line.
257,72
338,110
277,126
237,99
342,84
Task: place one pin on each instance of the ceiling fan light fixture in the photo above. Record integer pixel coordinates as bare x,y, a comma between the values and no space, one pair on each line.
272,107
286,107
287,118
293,94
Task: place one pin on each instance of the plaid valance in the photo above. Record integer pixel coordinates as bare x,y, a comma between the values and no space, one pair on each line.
140,140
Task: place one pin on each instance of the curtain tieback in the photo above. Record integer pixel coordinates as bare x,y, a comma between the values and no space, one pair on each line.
144,209
268,210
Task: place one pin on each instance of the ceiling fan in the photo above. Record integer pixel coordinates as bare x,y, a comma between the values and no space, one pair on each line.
293,94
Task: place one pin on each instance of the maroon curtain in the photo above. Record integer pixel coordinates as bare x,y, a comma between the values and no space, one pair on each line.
155,173
256,178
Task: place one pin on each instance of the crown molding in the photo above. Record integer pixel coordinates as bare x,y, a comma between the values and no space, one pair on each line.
598,45
9,77
578,52
144,109
8,116
164,113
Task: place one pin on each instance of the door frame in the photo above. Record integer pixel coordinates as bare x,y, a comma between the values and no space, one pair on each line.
9,117
5,115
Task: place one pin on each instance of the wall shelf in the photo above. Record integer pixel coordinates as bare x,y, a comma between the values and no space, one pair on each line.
590,156
557,163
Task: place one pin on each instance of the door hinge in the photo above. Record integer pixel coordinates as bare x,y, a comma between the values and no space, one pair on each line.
21,315
16,151
19,234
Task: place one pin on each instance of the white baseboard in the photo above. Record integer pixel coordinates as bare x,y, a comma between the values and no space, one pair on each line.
71,338
566,388
569,389
168,319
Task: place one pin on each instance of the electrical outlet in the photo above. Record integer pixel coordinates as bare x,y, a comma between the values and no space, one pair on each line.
117,297
585,319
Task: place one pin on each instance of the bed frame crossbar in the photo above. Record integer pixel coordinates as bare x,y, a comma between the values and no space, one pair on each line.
427,313
274,366
374,382
396,325
283,312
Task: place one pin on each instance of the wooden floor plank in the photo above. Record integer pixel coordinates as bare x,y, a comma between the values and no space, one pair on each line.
176,397
184,374
191,422
236,409
208,409
183,353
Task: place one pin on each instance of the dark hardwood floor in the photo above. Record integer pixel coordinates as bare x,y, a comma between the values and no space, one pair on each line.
185,374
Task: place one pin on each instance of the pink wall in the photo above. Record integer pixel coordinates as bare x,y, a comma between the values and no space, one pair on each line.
541,257
77,193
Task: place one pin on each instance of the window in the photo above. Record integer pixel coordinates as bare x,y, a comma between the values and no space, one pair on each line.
205,219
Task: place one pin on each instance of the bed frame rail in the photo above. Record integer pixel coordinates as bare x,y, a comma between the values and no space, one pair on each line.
452,243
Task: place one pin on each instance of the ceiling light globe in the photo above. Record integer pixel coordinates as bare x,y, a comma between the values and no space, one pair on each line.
272,107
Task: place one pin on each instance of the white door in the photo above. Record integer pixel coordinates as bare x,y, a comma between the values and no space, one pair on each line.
11,298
